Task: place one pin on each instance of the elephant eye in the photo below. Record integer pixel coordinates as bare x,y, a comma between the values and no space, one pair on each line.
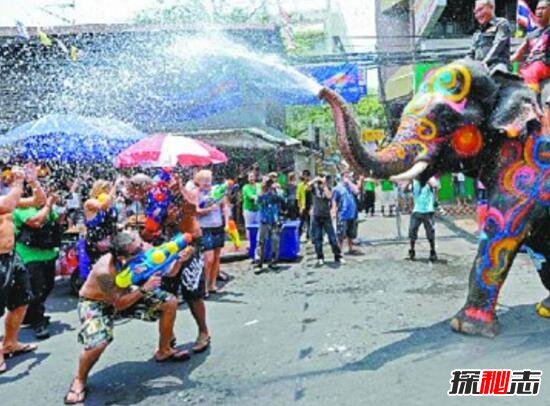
426,129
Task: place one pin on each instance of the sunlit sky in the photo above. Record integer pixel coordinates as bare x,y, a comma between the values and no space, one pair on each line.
359,14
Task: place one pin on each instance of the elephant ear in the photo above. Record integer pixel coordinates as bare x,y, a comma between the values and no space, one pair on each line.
516,112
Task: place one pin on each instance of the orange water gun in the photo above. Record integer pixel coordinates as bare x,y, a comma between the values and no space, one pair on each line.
233,233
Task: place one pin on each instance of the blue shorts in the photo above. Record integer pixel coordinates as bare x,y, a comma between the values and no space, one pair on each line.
213,237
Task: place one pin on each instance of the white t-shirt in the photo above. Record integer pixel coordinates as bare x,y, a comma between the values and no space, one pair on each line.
190,185
74,201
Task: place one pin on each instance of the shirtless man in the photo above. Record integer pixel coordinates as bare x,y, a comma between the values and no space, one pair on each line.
100,299
182,218
15,290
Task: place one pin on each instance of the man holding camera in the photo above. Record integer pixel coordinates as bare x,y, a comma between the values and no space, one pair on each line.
344,206
270,202
322,220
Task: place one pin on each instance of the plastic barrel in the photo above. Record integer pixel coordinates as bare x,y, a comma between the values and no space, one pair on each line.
289,244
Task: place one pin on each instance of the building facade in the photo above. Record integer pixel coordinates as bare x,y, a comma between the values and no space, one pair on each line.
321,22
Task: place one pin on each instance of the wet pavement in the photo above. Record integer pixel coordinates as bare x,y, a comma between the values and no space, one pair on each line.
372,331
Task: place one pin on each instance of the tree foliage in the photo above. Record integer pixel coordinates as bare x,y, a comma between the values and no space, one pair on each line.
305,43
206,11
369,113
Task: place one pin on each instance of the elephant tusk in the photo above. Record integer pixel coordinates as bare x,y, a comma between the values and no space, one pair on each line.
412,173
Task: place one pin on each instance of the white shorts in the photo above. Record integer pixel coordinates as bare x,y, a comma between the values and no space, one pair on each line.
251,218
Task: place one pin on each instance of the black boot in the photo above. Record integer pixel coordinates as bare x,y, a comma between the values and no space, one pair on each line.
41,332
412,254
433,255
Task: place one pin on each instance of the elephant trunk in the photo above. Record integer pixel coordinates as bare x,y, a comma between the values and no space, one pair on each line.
381,165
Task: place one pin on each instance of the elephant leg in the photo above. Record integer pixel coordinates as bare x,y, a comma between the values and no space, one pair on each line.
497,250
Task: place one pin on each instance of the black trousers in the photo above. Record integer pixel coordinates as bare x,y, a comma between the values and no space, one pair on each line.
369,199
417,219
305,223
42,277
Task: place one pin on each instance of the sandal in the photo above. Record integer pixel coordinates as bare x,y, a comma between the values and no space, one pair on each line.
223,277
24,349
175,357
80,395
201,345
3,367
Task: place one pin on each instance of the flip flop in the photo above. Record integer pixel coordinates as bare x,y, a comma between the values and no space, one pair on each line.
3,367
223,277
175,357
201,345
81,396
24,349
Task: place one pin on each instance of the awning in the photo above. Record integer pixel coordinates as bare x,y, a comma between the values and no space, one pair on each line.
387,4
253,137
400,84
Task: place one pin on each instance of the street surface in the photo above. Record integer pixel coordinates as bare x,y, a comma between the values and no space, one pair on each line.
373,331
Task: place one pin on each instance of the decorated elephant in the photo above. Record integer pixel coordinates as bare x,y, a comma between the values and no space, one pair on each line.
488,127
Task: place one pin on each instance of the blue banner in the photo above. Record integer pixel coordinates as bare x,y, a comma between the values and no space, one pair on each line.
345,79
224,87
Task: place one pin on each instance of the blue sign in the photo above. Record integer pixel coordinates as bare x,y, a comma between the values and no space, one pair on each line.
345,79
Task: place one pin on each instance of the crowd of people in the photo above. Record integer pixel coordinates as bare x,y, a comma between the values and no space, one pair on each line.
118,218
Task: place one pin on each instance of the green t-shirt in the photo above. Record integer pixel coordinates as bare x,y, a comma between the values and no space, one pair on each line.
29,254
282,180
386,186
369,186
249,197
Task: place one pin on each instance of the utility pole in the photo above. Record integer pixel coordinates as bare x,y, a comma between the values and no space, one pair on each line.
412,15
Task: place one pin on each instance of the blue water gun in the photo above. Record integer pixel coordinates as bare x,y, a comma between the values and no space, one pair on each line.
157,259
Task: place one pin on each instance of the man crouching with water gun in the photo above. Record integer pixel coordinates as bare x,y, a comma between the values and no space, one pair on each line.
101,298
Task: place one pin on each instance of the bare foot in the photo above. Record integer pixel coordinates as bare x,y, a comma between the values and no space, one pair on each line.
202,343
76,393
172,356
3,365
18,349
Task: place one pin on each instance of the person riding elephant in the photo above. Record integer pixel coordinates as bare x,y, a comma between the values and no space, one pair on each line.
488,127
535,50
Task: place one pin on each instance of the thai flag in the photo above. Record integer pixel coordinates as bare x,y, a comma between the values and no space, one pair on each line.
525,17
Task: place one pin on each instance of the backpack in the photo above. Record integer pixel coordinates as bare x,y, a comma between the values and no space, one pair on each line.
46,237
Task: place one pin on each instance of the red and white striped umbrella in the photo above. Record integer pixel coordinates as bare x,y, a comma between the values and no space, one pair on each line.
163,150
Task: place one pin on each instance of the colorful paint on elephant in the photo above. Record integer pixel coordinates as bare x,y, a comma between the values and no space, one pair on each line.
419,133
525,181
